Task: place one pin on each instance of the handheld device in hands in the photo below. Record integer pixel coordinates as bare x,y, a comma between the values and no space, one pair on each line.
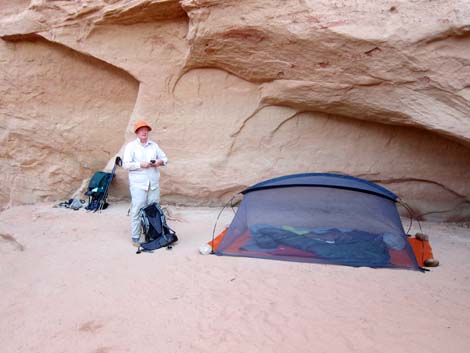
152,161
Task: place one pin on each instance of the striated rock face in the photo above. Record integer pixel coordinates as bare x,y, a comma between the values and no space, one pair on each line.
56,109
238,91
351,60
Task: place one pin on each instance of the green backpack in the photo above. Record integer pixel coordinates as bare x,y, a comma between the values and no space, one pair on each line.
98,188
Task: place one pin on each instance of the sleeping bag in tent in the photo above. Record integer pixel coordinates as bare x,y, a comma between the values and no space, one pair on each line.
321,218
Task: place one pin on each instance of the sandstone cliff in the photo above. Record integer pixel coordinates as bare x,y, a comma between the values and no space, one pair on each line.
238,91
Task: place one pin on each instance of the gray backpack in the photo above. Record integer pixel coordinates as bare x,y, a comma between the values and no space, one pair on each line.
157,232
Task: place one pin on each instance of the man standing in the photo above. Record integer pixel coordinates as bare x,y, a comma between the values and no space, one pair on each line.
142,157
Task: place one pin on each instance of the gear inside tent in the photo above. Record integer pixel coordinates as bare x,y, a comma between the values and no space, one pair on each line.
320,218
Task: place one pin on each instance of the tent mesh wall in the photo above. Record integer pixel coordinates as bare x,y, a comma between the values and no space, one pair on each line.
321,224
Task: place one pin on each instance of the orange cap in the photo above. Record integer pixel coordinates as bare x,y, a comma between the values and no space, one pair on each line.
140,124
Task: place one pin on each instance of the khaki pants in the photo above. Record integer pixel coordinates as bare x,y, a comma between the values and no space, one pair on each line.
141,198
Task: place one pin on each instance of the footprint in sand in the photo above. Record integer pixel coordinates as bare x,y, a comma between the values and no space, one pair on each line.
11,239
90,326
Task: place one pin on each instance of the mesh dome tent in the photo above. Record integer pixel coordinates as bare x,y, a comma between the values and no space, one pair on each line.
321,218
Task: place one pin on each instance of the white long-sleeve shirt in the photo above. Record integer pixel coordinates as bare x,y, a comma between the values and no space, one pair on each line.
135,153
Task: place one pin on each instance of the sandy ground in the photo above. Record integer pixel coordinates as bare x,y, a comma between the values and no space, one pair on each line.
71,282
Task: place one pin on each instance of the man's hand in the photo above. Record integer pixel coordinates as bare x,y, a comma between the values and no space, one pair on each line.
158,163
145,164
